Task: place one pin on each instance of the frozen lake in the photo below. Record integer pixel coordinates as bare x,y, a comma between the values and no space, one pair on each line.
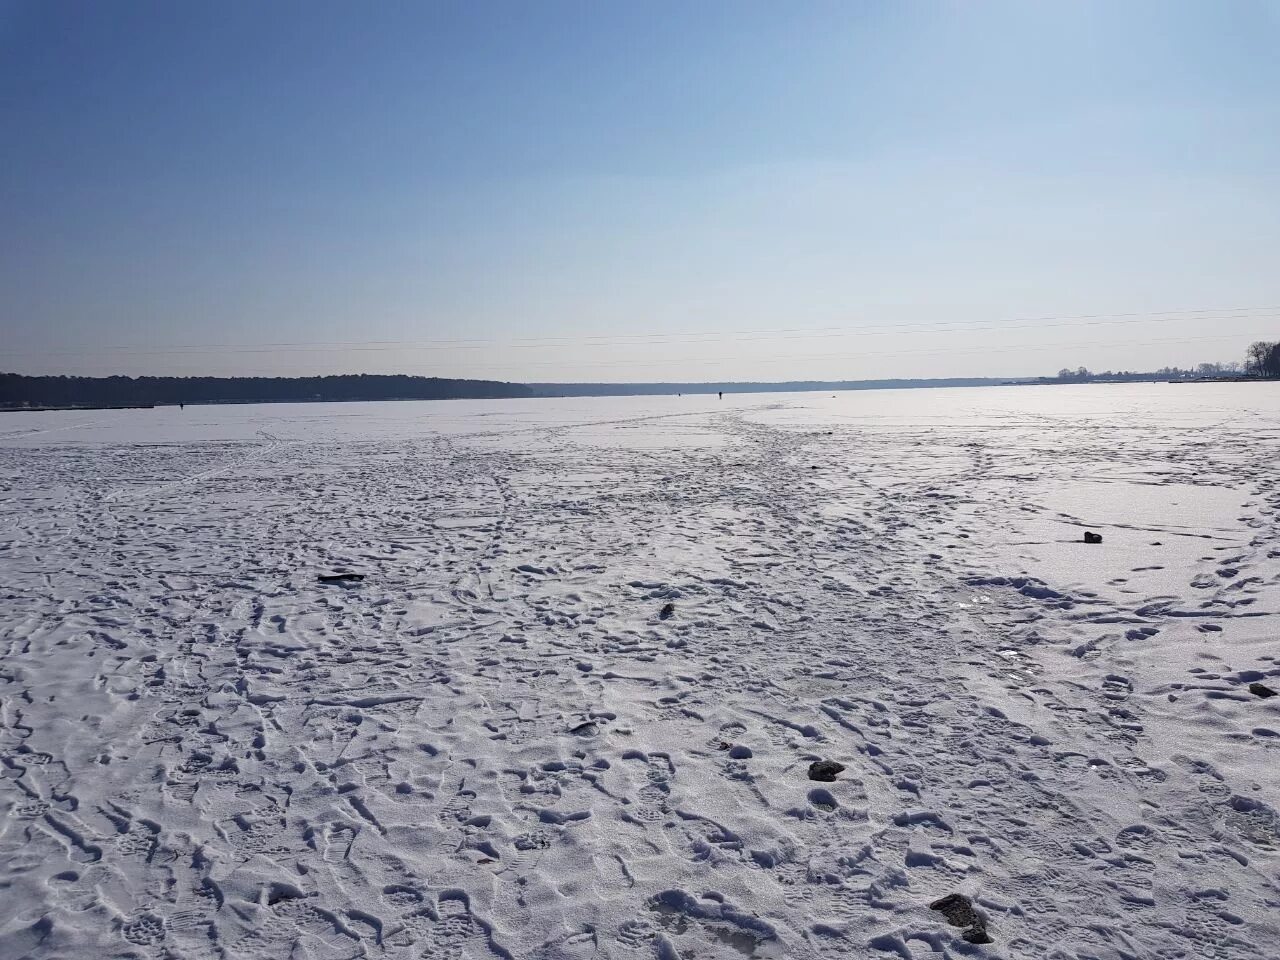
497,745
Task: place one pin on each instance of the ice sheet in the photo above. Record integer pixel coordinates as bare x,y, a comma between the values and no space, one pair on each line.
495,745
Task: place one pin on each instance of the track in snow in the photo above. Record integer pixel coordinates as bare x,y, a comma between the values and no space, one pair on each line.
494,746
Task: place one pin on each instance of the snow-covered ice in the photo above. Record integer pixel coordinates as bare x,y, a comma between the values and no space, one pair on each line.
495,745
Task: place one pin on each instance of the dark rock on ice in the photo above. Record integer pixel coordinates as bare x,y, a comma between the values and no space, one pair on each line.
340,577
958,909
587,729
825,771
1261,690
667,612
1091,537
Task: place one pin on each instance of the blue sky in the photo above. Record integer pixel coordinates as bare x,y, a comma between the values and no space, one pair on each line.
588,191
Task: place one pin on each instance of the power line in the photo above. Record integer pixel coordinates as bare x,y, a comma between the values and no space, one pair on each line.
891,353
658,339
696,361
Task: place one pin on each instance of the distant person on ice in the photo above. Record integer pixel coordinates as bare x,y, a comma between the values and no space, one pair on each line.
721,394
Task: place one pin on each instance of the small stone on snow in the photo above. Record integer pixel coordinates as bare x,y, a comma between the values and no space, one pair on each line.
824,771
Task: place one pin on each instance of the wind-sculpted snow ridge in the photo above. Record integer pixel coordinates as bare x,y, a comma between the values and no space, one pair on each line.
572,708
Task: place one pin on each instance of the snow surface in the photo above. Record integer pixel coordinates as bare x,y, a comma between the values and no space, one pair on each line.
494,746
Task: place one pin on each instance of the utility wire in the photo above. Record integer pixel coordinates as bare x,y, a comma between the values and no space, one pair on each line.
657,339
455,372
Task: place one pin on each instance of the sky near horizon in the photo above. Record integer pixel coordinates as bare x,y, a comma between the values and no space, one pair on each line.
645,191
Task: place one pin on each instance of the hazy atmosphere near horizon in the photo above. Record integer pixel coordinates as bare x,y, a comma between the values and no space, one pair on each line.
649,191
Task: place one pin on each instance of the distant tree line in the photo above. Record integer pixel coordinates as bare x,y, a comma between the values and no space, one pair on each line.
1261,360
1085,375
17,390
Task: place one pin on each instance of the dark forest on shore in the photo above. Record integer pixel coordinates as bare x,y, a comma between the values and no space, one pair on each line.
17,390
